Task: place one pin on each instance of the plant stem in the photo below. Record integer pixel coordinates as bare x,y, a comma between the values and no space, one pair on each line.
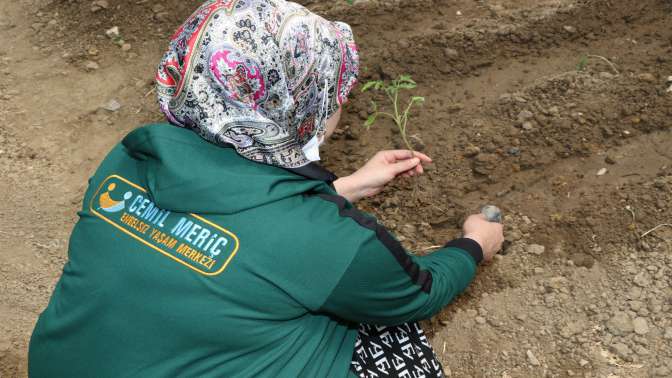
613,66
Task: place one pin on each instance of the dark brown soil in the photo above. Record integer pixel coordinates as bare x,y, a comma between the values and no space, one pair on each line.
527,100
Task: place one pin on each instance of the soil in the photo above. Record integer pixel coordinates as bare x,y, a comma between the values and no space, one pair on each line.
527,101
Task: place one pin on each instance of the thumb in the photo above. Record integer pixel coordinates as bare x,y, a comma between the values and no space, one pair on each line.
404,165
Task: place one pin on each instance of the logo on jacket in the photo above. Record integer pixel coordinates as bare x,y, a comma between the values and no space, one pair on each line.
107,204
189,239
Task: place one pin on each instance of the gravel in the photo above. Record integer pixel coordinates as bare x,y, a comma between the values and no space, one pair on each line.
536,249
640,326
620,324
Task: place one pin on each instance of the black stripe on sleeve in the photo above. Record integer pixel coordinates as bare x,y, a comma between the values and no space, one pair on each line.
468,245
423,278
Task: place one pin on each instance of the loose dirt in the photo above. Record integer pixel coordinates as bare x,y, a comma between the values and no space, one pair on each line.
521,112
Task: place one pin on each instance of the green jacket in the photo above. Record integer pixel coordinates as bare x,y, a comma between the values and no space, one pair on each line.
191,261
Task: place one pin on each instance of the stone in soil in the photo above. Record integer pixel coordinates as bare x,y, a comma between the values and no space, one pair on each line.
112,106
532,358
113,32
536,249
99,5
582,259
640,326
646,77
91,65
642,279
471,151
622,350
620,324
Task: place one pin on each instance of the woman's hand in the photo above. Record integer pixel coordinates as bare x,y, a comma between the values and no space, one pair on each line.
489,235
380,170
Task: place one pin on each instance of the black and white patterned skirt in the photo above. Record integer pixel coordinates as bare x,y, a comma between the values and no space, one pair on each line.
394,351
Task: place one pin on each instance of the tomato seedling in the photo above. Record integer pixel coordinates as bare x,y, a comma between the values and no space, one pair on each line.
398,115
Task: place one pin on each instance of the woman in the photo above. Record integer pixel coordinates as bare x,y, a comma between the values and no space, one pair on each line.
220,248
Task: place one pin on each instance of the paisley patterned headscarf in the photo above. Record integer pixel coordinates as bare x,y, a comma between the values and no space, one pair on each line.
261,75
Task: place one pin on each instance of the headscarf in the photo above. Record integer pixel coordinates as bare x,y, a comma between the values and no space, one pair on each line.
260,75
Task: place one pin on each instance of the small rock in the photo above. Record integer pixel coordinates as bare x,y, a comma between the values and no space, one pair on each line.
525,115
641,326
536,249
113,32
642,351
602,172
583,362
480,320
582,259
558,283
450,53
609,159
125,47
607,75
668,333
622,350
569,29
454,107
646,77
532,358
99,5
571,329
471,151
91,65
528,126
661,371
620,324
642,279
514,151
112,106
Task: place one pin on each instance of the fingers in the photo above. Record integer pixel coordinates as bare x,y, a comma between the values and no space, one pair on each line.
396,155
404,165
424,158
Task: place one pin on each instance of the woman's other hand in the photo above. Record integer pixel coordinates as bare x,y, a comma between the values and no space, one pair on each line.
489,235
382,168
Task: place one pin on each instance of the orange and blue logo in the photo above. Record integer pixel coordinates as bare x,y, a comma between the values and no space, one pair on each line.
188,239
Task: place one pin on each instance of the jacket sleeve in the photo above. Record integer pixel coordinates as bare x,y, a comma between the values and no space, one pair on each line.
385,285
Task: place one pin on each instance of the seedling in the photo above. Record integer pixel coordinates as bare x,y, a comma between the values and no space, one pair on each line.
399,116
583,63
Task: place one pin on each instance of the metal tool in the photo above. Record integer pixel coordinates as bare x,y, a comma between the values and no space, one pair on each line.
492,213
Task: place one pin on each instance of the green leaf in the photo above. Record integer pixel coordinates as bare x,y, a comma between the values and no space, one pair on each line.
417,99
582,63
406,85
374,106
370,120
371,84
406,79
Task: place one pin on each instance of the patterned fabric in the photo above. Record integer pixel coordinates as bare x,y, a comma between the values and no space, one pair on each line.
261,75
397,351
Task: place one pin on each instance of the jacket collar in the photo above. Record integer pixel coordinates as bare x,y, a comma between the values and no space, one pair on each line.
314,171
